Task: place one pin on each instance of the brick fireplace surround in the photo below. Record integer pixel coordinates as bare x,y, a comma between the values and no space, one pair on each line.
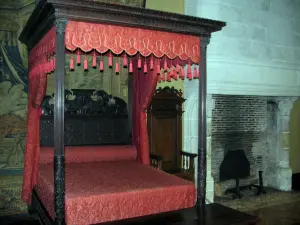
253,123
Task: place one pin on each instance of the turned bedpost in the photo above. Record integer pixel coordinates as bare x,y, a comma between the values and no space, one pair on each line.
59,105
201,173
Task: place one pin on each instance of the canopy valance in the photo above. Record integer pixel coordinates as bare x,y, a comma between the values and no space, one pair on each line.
118,39
165,52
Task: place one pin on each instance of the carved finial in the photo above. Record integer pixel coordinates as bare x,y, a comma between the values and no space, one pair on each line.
204,41
180,93
60,25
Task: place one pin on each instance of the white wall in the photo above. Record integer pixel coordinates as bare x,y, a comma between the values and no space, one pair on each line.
258,52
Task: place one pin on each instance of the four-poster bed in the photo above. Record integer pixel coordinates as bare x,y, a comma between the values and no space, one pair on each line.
155,47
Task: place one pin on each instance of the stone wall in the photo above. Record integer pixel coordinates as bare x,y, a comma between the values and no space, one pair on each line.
258,51
278,174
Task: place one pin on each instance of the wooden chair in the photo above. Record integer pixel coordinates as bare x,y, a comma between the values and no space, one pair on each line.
165,134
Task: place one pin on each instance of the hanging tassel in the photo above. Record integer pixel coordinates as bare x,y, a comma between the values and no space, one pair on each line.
182,74
171,72
195,74
158,68
159,78
139,62
145,67
85,63
101,66
130,67
163,76
117,69
178,68
165,65
169,77
151,63
78,60
72,63
125,60
94,60
110,60
189,72
175,75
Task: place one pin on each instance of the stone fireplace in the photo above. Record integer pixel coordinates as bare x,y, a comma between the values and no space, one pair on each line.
238,123
256,124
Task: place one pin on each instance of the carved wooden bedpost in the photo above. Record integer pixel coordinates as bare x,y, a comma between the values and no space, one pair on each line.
59,154
201,182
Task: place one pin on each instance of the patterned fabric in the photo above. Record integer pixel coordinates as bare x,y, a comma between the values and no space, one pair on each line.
37,89
143,90
102,37
43,49
78,154
109,191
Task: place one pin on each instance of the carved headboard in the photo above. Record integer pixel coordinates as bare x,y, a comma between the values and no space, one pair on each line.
92,117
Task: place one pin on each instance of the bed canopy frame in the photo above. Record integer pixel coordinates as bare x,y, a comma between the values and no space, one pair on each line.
154,46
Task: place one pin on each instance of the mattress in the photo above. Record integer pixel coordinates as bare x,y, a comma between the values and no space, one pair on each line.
98,192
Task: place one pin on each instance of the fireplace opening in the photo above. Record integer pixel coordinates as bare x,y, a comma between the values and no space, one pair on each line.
234,166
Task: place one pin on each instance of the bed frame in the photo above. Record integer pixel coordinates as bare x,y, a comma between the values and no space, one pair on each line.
58,12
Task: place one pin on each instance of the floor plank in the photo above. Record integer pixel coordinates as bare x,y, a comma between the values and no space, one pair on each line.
216,214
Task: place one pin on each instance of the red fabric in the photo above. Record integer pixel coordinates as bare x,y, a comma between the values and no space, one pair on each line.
43,49
78,154
39,59
102,37
109,191
32,149
143,89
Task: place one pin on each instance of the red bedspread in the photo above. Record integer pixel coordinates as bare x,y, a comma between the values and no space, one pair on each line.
98,192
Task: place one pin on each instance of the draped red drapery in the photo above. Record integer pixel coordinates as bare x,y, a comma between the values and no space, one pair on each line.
143,88
41,62
151,56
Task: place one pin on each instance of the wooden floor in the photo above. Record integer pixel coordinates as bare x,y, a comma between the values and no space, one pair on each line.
286,214
216,214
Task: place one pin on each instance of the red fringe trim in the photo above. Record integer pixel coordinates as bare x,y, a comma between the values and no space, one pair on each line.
139,62
94,60
130,67
72,63
78,59
125,60
145,67
117,69
85,63
101,66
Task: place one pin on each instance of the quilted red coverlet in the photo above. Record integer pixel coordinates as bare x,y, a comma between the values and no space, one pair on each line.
98,192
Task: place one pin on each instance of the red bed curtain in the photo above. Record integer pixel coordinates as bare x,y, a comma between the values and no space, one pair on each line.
41,62
37,90
143,89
